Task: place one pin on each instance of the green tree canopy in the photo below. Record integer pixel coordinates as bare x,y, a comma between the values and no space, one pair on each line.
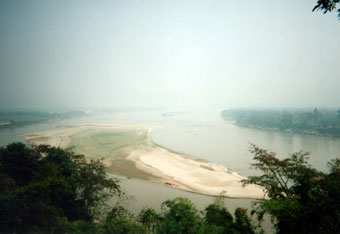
121,221
179,216
44,185
149,218
218,219
302,199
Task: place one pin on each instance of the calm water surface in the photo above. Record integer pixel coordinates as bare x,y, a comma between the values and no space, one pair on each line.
206,136
203,135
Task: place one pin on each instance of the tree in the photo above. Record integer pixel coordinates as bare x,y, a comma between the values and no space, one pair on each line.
218,220
179,216
242,222
327,6
301,198
149,218
44,186
218,215
119,220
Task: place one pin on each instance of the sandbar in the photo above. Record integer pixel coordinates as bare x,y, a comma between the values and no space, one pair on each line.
128,150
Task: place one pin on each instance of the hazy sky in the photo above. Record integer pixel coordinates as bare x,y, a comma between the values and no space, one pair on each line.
167,53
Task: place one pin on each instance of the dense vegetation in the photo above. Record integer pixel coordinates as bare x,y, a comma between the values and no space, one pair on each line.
50,190
43,188
314,121
301,198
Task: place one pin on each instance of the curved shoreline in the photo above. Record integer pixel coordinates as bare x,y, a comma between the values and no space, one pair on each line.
147,160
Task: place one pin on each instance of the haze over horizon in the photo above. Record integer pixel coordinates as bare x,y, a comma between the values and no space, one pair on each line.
167,54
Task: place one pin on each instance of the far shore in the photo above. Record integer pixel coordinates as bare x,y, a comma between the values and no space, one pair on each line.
128,150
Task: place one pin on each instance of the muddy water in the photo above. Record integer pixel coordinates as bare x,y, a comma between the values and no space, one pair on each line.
202,134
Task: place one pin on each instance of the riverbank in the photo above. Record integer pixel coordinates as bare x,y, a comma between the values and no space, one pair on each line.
324,122
128,150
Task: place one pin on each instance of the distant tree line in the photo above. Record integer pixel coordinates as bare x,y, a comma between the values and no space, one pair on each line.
50,190
316,122
9,119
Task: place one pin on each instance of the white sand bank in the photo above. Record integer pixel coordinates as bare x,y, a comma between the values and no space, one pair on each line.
182,172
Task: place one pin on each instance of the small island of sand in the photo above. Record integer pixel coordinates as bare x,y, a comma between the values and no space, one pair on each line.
128,150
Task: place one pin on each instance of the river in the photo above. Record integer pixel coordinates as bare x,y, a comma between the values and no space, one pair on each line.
206,136
202,134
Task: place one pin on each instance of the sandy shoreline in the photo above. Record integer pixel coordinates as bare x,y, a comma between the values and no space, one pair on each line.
145,160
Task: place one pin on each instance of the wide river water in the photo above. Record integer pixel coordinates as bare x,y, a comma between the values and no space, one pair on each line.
204,135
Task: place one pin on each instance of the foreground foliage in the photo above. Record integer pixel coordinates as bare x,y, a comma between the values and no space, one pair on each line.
328,6
302,199
45,187
49,190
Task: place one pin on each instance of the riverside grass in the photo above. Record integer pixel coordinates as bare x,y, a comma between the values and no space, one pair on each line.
128,150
